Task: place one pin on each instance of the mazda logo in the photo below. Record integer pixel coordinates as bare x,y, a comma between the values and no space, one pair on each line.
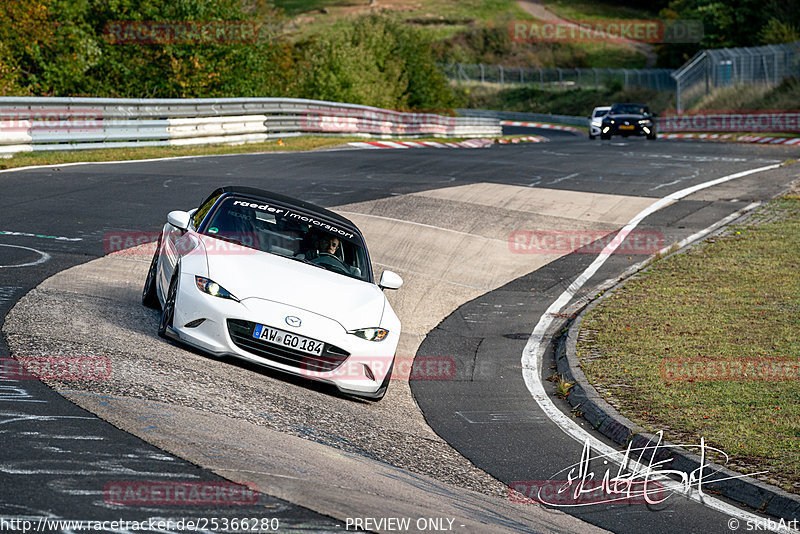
291,320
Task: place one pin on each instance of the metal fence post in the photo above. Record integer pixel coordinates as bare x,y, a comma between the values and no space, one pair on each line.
482,74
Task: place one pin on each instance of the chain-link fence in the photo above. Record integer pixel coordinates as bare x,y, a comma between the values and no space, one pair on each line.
657,79
723,67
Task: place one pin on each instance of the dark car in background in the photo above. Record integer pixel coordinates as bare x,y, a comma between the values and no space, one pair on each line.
627,120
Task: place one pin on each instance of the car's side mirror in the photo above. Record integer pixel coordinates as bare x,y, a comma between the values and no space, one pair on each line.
390,280
179,219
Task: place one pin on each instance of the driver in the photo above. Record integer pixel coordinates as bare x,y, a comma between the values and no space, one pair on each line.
328,245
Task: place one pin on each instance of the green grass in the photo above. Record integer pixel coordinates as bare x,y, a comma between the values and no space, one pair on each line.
480,10
439,19
296,7
596,9
452,24
734,298
579,101
290,144
784,96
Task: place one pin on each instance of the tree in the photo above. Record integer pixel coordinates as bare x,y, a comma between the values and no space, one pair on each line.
373,60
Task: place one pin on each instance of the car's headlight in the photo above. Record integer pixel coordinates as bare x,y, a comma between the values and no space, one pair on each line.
371,334
212,288
644,121
611,121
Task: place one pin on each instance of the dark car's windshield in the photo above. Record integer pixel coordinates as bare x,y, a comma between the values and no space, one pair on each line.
628,109
292,234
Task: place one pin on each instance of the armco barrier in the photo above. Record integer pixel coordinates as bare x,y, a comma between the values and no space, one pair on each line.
51,123
571,120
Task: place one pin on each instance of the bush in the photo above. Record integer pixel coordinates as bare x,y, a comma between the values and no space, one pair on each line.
373,60
77,56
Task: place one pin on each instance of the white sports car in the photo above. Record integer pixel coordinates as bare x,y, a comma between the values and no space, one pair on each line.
279,282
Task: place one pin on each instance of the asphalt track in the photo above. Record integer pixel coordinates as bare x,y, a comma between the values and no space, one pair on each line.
489,417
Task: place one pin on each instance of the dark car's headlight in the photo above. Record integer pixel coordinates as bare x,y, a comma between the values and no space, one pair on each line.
371,334
644,121
212,288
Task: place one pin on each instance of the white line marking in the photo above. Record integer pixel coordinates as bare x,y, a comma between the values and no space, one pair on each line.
534,349
148,160
42,236
44,257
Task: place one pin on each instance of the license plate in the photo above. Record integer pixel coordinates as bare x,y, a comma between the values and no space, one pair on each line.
287,339
626,127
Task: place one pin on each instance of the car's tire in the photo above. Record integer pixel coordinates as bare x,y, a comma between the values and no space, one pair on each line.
592,137
605,137
149,293
652,137
168,313
384,385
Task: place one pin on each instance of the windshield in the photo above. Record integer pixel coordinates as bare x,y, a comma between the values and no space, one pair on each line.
600,113
628,109
291,234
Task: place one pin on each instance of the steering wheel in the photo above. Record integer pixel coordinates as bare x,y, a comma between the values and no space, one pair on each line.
328,259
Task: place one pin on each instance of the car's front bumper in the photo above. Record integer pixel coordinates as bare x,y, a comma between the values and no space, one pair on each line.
628,130
354,365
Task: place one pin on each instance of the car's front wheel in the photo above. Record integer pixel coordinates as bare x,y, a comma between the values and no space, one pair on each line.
605,137
592,137
168,314
651,136
149,294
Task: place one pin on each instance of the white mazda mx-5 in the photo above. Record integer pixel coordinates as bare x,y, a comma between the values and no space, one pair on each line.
279,282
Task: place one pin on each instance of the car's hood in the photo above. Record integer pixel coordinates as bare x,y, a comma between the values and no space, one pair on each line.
254,274
626,117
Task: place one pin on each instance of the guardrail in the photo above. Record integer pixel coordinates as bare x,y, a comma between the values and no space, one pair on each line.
571,120
52,123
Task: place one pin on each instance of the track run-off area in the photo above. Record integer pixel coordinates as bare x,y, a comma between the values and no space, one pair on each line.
455,224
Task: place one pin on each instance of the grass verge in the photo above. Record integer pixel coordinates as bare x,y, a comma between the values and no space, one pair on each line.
597,9
681,347
290,144
580,101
